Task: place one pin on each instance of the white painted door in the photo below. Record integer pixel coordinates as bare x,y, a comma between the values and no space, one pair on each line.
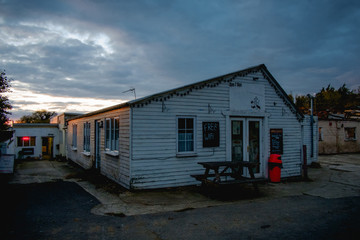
246,142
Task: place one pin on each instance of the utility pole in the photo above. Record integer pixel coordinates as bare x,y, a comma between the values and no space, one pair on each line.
312,124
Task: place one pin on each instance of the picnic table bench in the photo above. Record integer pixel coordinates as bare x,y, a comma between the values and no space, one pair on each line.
236,173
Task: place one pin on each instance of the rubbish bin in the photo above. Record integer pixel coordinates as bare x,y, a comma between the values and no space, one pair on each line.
275,165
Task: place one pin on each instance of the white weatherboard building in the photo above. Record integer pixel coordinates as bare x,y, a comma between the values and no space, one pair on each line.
36,140
157,141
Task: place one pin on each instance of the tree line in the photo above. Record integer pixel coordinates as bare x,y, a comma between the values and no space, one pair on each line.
329,100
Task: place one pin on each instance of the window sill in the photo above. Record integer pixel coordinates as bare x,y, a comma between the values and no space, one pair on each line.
86,154
112,153
185,155
74,148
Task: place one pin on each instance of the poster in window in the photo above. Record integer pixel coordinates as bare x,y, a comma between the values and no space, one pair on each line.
211,134
276,141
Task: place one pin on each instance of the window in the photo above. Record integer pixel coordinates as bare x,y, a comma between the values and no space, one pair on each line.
185,134
87,137
350,134
26,141
112,134
74,136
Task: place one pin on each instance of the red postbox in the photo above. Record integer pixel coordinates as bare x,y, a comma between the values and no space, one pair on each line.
275,165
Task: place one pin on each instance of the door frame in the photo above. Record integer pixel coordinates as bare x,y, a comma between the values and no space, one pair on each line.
49,147
246,142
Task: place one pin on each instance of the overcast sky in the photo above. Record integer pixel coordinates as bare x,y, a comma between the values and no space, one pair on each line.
81,55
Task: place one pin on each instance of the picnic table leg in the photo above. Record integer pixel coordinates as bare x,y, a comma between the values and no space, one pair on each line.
217,175
204,181
252,175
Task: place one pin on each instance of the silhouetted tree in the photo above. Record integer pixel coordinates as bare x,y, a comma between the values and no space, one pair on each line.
330,100
41,116
5,105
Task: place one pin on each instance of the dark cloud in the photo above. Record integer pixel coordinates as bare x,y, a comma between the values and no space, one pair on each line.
99,49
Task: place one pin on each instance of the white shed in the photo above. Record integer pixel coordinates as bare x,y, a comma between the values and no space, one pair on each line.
157,141
36,140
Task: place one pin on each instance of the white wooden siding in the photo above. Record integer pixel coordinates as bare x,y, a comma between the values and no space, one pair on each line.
154,163
116,168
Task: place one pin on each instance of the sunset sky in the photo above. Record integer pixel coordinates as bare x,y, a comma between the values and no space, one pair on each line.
81,55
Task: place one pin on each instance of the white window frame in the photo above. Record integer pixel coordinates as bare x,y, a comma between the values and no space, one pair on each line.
74,137
112,136
186,153
86,137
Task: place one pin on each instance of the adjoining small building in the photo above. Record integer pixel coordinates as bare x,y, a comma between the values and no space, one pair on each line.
157,141
339,136
36,140
61,121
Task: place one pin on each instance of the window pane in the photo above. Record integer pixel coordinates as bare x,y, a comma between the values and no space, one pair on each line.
112,137
116,147
189,136
32,141
189,146
74,140
181,146
19,142
181,123
26,142
189,123
107,133
181,135
116,129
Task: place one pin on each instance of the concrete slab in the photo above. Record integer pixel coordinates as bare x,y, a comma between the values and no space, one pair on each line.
339,176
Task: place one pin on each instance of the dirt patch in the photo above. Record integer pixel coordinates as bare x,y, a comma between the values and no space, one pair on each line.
95,178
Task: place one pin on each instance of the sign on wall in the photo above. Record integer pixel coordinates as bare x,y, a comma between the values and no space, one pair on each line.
211,134
247,97
276,141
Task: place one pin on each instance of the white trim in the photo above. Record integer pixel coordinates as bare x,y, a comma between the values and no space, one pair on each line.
242,114
112,153
86,153
188,153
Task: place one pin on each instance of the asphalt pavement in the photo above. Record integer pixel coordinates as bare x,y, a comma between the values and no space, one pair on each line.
57,200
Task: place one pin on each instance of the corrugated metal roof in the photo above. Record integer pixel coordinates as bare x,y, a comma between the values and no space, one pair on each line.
34,125
262,67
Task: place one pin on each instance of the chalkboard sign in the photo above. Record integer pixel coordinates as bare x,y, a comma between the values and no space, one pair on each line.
211,134
276,141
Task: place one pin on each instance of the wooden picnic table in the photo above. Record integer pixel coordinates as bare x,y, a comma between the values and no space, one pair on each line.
221,168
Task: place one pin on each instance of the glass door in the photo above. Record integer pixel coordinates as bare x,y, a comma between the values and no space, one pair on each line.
246,142
237,140
254,143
